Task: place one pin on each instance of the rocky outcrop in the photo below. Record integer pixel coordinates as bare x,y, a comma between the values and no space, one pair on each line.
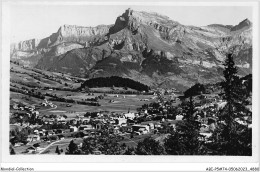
243,24
27,45
72,33
63,48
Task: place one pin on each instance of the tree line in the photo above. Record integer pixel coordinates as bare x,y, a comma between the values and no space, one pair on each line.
38,95
61,99
114,81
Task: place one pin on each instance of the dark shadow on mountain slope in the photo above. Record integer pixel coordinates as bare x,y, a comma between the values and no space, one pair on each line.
161,65
119,46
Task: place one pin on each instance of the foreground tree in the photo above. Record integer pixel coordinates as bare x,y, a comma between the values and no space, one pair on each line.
89,145
231,137
149,146
20,136
129,151
73,149
233,93
196,89
185,140
107,143
110,146
57,150
12,152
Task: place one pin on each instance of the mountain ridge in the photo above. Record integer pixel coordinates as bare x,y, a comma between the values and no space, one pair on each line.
142,45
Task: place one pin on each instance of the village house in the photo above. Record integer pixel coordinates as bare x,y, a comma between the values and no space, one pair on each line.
61,137
50,121
33,137
121,121
59,131
44,104
73,121
179,117
123,124
60,118
15,106
99,126
50,132
100,114
129,115
31,149
36,113
116,130
86,127
171,123
152,124
40,133
127,129
36,132
18,144
143,131
87,119
205,133
111,121
62,122
79,117
138,128
73,129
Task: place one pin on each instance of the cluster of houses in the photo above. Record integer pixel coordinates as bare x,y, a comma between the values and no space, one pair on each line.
123,123
116,123
126,123
29,109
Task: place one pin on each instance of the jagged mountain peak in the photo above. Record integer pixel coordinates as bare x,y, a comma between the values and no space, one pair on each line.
246,23
135,13
145,17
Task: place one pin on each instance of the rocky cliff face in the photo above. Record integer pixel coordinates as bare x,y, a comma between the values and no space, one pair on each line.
147,47
25,45
68,33
67,37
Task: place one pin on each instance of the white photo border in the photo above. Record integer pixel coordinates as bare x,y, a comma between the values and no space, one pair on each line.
6,158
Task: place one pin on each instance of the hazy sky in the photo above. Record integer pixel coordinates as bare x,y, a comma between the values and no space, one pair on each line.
39,21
